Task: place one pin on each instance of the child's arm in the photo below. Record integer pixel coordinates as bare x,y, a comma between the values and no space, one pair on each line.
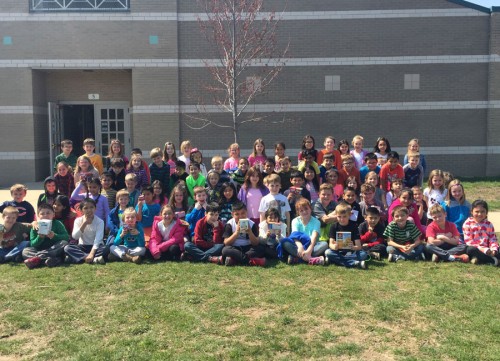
357,245
229,235
390,242
75,195
253,235
199,233
287,214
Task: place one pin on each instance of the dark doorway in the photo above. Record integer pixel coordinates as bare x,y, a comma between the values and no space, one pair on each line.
78,120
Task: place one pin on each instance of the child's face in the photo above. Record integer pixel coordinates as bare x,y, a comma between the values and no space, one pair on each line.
352,183
254,179
368,196
83,164
46,213
51,187
123,201
396,186
325,196
116,169
170,149
327,163
179,197
279,151
217,166
329,144
88,210
304,212
344,149
130,219
233,152
414,162
348,164
437,182
259,147
382,146
179,171
212,217
116,148
194,171
309,175
439,217
213,179
268,167
372,220
240,214
67,149
285,165
228,192
19,195
136,162
297,182
479,213
414,147
343,219
309,159
148,196
271,218
358,144
58,207
372,164
157,190
400,218
243,165
93,189
158,161
89,148
186,150
9,219
274,187
309,144
417,194
405,199
62,170
332,178
168,215
350,197
457,192
200,197
130,184
106,182
373,180
393,162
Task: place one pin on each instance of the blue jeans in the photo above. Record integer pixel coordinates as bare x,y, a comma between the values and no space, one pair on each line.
9,254
415,253
346,259
200,255
318,250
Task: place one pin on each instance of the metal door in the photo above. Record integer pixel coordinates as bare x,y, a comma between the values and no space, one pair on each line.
56,131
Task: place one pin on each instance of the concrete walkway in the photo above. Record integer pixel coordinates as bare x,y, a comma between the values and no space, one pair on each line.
34,190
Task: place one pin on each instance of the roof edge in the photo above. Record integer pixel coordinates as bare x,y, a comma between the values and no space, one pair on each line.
495,9
471,5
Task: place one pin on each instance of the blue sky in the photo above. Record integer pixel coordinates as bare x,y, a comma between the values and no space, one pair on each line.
486,3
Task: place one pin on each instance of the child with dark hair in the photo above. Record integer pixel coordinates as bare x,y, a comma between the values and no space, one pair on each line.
147,209
64,213
117,168
50,192
296,191
226,201
271,231
207,245
167,236
238,175
160,196
269,166
180,174
64,179
107,180
93,186
195,178
308,144
371,233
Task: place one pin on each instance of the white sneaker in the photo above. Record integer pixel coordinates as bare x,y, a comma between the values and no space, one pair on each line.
99,260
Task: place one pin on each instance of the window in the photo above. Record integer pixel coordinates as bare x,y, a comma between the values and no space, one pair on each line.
79,5
412,81
332,83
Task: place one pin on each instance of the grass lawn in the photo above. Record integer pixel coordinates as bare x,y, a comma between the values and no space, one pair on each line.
183,311
484,188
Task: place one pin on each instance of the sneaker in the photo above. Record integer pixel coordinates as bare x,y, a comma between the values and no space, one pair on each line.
185,257
68,259
229,261
52,261
216,260
317,261
422,255
33,262
474,260
495,261
375,256
135,259
435,258
293,260
113,258
363,265
99,260
391,257
327,261
461,258
261,262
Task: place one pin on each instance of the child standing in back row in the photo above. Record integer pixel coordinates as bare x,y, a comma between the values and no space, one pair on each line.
435,193
258,156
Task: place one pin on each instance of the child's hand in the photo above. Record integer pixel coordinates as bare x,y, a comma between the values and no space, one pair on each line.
51,235
215,224
365,246
34,225
89,259
198,205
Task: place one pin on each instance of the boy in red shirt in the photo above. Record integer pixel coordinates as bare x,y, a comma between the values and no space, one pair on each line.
390,171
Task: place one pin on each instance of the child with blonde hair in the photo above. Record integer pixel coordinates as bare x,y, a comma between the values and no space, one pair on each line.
457,208
358,152
185,149
436,191
258,156
129,244
414,147
234,157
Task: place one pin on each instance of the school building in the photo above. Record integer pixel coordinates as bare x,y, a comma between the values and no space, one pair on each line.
132,70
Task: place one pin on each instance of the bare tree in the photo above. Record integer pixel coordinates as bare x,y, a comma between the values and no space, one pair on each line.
248,59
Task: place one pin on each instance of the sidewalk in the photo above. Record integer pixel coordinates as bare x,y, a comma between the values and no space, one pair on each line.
35,188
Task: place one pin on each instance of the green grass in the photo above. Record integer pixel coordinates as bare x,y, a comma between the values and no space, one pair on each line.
484,188
182,311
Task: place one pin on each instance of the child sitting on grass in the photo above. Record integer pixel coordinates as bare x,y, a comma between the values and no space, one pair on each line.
13,236
403,237
345,244
271,231
46,248
167,236
371,233
129,244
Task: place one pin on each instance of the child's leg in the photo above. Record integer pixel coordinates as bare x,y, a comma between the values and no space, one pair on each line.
236,253
416,253
440,251
346,260
380,249
481,257
118,251
197,253
290,248
29,252
7,255
255,252
137,251
319,249
76,252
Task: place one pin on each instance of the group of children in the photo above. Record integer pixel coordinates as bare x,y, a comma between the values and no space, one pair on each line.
337,206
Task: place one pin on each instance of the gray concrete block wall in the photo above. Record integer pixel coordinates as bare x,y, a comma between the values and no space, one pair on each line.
16,87
153,130
155,86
